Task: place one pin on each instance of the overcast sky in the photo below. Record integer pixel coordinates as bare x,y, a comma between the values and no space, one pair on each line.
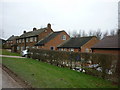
69,15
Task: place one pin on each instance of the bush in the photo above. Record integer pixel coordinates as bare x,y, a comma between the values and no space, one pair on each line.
73,59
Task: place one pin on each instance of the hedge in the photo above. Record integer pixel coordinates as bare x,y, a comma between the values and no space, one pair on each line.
75,59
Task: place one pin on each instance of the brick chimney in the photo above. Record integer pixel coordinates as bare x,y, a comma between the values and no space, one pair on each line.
34,29
49,25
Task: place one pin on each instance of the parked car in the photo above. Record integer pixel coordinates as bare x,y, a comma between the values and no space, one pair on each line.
24,53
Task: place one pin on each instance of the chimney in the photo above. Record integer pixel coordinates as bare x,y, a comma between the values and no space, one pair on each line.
24,31
34,29
49,25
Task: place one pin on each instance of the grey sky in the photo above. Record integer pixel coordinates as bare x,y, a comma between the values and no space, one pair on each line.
68,15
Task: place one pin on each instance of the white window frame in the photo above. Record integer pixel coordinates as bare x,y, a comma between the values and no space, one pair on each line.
35,39
63,37
27,39
18,48
72,49
65,49
31,39
19,40
86,50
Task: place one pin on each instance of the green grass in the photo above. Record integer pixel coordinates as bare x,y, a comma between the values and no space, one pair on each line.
43,75
5,52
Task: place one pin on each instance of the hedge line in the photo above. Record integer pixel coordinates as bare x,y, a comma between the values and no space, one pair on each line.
73,59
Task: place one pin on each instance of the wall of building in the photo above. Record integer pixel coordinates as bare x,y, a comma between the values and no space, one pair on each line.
44,34
55,41
106,51
89,44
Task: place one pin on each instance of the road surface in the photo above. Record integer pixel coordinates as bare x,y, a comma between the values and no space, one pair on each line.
8,81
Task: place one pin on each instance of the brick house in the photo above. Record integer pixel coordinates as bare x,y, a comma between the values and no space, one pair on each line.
2,43
29,39
54,39
109,45
81,44
10,41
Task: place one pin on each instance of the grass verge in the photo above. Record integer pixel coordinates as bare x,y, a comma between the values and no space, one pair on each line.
5,52
43,75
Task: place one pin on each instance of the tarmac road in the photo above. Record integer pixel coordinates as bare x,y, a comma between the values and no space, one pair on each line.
7,81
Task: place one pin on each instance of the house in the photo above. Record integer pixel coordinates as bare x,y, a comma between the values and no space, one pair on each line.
80,44
10,41
2,43
109,45
54,39
29,39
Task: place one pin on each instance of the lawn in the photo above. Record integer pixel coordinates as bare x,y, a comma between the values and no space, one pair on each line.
5,52
43,75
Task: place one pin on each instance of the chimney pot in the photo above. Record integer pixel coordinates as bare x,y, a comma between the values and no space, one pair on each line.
49,25
34,29
24,32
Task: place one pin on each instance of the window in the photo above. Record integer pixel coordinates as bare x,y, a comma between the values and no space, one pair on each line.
18,47
63,37
51,48
19,40
26,39
72,49
86,50
33,47
37,47
31,39
23,40
22,48
27,47
61,49
65,49
35,39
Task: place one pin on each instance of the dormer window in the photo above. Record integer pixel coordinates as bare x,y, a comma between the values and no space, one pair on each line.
63,37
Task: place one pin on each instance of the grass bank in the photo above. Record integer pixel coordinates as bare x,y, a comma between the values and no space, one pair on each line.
5,52
43,75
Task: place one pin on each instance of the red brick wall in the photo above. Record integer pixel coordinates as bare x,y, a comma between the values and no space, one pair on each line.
106,51
39,37
44,34
56,41
89,44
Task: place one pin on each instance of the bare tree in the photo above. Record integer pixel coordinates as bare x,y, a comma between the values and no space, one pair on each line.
105,34
69,33
83,34
79,33
113,32
98,34
90,33
74,33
